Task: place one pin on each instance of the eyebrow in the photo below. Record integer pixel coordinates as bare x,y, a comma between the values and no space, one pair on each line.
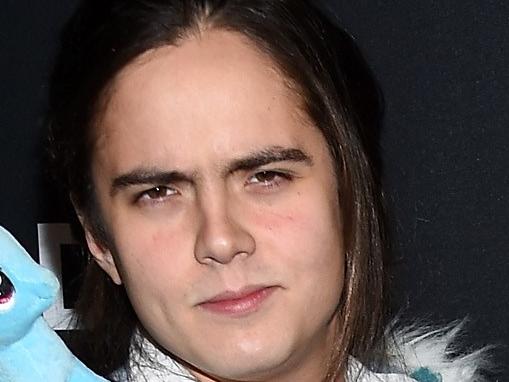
146,176
269,155
272,154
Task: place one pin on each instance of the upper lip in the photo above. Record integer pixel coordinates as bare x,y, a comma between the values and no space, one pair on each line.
235,295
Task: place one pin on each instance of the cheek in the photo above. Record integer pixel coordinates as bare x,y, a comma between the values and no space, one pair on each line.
155,272
306,234
304,246
154,257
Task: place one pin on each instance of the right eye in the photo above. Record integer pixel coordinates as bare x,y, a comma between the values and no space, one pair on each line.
6,291
157,194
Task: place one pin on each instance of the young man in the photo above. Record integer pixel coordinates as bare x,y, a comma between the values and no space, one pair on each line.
218,157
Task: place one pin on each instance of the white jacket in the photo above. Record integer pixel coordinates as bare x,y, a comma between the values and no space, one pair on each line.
417,355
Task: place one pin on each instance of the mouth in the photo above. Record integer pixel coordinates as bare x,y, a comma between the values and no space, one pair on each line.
7,292
238,303
6,301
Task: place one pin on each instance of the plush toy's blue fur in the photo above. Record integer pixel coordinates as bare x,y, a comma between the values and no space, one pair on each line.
30,351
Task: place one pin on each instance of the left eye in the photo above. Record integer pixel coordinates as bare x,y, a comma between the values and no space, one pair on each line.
6,289
268,178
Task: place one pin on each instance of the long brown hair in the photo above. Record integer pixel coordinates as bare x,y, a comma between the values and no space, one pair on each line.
323,65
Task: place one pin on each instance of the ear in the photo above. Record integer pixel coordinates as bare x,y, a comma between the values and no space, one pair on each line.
103,257
99,251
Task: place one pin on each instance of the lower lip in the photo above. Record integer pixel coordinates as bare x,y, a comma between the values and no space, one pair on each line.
244,305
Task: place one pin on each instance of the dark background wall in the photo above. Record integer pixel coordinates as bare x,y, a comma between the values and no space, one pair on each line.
443,67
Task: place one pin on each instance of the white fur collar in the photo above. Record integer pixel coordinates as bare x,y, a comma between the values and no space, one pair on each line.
422,347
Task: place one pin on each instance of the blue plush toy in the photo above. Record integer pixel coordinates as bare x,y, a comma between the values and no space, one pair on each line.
30,351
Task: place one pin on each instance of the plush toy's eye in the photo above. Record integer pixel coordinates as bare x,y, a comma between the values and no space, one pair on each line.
6,289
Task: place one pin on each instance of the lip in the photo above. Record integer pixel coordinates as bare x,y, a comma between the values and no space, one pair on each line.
238,303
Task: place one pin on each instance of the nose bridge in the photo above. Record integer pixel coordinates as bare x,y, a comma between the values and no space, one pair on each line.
222,234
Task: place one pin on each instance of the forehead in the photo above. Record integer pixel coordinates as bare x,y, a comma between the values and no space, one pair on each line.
216,86
213,67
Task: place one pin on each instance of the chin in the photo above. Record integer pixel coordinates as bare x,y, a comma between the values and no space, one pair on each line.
247,371
250,362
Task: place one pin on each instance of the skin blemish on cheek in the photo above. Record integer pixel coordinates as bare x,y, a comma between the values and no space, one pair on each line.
274,221
156,238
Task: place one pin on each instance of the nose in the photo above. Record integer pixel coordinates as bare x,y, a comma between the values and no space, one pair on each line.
221,237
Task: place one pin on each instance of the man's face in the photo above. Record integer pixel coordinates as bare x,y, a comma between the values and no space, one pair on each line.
220,197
